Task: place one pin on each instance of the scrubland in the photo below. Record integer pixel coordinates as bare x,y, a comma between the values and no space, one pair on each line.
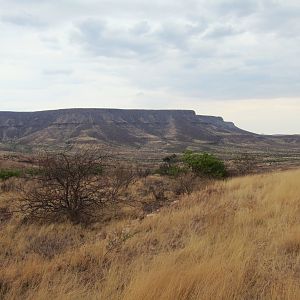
234,239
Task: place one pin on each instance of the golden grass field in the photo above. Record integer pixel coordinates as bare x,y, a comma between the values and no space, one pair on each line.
238,239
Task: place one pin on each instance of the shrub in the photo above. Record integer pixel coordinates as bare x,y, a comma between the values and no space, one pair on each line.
7,173
204,164
10,185
32,172
170,159
73,186
185,183
143,172
5,214
154,193
171,166
49,246
164,169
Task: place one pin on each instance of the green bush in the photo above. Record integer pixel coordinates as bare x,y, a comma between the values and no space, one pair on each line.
205,164
168,170
171,166
6,174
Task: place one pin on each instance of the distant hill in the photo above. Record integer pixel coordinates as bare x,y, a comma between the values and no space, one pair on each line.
131,128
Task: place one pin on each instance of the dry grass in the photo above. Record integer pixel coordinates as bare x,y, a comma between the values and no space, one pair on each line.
238,239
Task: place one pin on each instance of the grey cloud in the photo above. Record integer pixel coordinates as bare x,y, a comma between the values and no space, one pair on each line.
52,43
57,72
205,49
141,40
278,18
101,39
141,28
236,84
237,7
24,19
178,34
221,31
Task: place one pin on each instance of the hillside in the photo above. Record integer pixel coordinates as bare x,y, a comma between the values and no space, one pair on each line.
237,239
152,129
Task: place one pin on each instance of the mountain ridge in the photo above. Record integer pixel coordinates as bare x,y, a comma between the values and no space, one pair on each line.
130,128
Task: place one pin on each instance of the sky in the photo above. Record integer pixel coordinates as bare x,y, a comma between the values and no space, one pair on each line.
239,59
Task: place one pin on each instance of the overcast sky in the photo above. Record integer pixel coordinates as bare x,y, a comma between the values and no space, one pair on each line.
239,59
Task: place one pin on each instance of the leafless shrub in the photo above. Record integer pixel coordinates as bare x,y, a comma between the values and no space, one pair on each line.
48,247
9,185
5,214
158,191
185,183
74,186
118,179
142,172
116,239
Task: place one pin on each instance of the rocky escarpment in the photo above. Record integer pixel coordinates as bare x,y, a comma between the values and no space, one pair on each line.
133,128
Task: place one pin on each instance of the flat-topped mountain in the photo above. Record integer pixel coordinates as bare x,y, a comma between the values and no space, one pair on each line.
133,128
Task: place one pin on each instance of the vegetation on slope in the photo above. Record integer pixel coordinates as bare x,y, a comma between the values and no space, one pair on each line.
6,174
238,239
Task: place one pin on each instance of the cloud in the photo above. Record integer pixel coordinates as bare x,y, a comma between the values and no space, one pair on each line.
139,40
23,20
103,39
236,7
57,72
178,34
141,28
141,53
221,30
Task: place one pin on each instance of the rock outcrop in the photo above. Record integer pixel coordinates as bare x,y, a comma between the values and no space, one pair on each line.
132,128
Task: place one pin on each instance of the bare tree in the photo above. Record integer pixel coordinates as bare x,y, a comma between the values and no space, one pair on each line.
72,185
118,180
187,182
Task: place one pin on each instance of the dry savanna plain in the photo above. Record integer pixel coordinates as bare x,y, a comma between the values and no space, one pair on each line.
237,238
112,187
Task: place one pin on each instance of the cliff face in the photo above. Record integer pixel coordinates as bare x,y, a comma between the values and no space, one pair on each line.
111,126
121,127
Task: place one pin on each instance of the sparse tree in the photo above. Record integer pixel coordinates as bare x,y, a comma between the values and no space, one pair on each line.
74,185
186,183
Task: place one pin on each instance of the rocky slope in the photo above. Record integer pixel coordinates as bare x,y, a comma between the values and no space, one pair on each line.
132,128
